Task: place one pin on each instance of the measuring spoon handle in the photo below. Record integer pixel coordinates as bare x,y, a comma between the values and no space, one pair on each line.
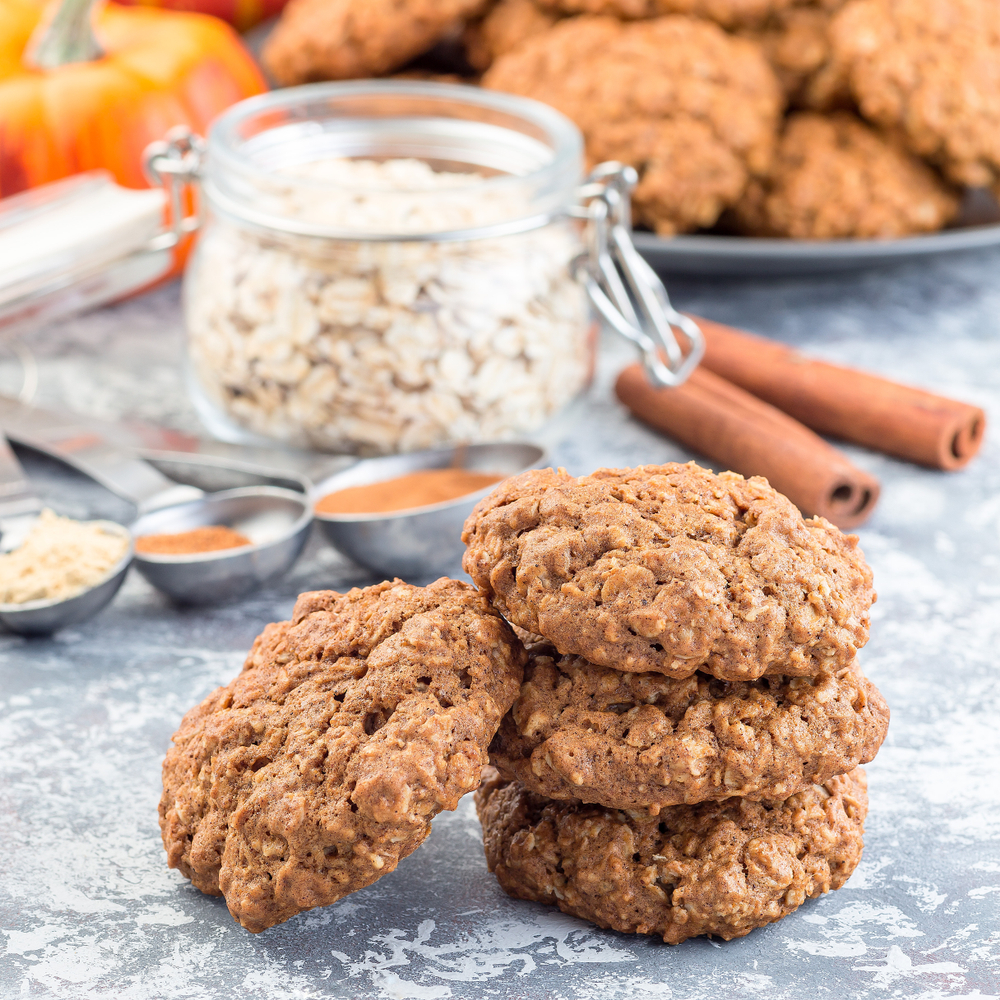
16,495
112,465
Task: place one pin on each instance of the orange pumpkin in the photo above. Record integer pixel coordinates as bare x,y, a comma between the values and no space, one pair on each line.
241,13
158,69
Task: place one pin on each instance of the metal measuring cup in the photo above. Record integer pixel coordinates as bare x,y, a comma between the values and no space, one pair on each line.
19,509
276,519
417,542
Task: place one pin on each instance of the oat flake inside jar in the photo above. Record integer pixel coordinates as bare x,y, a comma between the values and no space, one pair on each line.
387,266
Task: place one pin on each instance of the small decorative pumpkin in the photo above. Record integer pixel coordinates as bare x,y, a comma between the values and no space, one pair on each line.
242,14
92,88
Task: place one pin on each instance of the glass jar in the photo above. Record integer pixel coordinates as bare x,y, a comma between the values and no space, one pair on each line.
387,266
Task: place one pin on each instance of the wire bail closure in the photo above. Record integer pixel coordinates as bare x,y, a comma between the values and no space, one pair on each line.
637,307
174,163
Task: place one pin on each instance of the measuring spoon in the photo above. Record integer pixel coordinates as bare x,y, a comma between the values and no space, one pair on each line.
275,519
19,509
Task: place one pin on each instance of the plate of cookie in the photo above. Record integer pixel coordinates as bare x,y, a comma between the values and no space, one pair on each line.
724,254
770,136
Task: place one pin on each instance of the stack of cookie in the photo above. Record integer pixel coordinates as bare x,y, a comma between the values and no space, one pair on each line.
676,750
683,756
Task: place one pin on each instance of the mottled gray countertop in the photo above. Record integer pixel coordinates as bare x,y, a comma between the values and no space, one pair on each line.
88,908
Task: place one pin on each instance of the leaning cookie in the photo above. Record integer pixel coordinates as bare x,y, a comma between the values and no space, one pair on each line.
716,868
696,126
322,764
645,741
342,39
835,177
673,569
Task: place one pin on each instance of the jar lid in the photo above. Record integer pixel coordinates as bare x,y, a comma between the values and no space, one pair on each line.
522,158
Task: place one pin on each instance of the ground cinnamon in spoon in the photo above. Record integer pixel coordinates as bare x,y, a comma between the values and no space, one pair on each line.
210,538
418,489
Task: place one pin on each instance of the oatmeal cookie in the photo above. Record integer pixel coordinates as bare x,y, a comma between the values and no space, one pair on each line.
696,125
624,9
322,764
342,39
645,741
431,76
796,42
502,29
673,569
835,177
728,13
719,868
931,69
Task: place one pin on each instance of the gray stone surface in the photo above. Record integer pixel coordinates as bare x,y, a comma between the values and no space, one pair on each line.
88,908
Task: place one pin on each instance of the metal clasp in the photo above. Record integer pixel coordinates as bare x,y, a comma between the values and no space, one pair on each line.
174,163
637,307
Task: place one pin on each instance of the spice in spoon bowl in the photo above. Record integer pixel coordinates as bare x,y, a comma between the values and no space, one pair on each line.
63,572
402,515
223,545
415,489
207,538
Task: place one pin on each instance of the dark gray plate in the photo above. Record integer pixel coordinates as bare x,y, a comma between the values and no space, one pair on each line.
978,225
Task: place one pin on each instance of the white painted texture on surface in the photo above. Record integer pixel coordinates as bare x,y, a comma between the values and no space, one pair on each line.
88,908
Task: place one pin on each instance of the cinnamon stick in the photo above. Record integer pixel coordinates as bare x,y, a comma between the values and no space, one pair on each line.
740,432
845,403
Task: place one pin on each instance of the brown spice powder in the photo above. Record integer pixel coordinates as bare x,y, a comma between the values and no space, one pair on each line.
209,538
417,489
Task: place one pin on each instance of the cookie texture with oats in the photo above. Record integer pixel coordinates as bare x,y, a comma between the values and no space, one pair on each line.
344,39
728,13
796,41
719,868
696,126
645,741
834,177
351,726
504,26
673,569
930,69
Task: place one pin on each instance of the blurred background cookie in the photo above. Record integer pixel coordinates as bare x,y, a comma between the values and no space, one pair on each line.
796,42
728,13
835,177
931,69
503,27
624,9
696,125
342,39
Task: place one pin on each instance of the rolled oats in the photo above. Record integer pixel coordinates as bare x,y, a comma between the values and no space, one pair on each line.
381,346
